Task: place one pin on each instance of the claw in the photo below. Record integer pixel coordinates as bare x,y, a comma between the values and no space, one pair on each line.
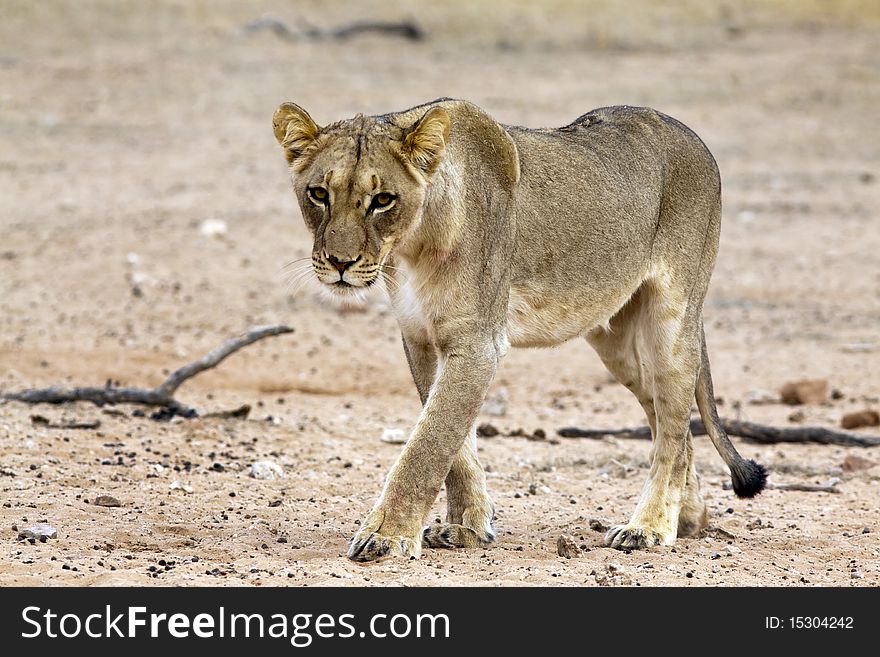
357,546
372,546
455,536
629,537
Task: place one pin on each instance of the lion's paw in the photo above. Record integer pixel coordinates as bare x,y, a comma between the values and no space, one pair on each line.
633,537
450,535
469,527
371,546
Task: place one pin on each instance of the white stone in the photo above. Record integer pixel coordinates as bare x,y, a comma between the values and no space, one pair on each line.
176,485
393,436
266,470
213,228
858,348
38,531
496,404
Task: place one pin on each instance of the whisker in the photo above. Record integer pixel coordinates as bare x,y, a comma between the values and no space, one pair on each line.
296,275
392,283
391,286
299,272
293,262
297,280
385,265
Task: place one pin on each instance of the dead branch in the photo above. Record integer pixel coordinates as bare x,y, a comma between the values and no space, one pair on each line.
161,396
240,413
217,355
765,434
639,433
803,488
404,29
751,431
45,422
806,488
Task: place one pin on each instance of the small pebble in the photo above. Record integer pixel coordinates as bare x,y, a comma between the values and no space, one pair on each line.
213,228
854,463
393,436
866,418
806,391
176,485
496,404
598,526
614,469
35,532
567,547
266,470
107,500
487,430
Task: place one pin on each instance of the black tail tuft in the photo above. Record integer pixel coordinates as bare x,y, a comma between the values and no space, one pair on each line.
749,478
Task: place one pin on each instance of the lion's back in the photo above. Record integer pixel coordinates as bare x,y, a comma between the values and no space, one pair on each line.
645,133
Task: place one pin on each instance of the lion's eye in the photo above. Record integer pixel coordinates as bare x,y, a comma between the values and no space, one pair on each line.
382,200
319,195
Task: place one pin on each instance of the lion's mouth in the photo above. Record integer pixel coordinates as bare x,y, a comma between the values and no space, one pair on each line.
344,288
345,285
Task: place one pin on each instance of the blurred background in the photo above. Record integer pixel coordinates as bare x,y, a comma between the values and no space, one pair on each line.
146,212
126,125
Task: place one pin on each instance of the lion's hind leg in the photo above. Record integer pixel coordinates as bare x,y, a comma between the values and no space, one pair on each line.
470,515
653,349
693,517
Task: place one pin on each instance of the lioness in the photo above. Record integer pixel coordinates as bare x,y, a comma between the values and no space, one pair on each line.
490,236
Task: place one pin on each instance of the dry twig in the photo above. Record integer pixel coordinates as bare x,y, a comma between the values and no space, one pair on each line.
751,431
802,488
161,396
39,420
405,29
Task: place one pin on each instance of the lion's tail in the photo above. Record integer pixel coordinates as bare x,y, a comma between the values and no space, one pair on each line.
748,477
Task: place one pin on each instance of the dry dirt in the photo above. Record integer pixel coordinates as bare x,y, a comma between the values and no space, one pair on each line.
121,132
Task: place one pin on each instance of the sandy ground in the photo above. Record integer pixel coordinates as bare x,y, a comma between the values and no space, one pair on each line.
120,133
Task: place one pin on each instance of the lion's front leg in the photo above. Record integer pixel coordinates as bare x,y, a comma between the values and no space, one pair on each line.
394,526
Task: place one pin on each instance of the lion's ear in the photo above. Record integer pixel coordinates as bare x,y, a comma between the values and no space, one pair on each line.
294,129
425,141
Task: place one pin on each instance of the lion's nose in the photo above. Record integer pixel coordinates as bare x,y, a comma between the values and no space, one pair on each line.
341,265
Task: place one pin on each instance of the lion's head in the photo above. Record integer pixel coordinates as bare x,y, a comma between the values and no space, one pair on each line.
361,185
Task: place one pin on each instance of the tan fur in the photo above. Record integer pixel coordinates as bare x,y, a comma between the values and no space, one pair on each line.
605,229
